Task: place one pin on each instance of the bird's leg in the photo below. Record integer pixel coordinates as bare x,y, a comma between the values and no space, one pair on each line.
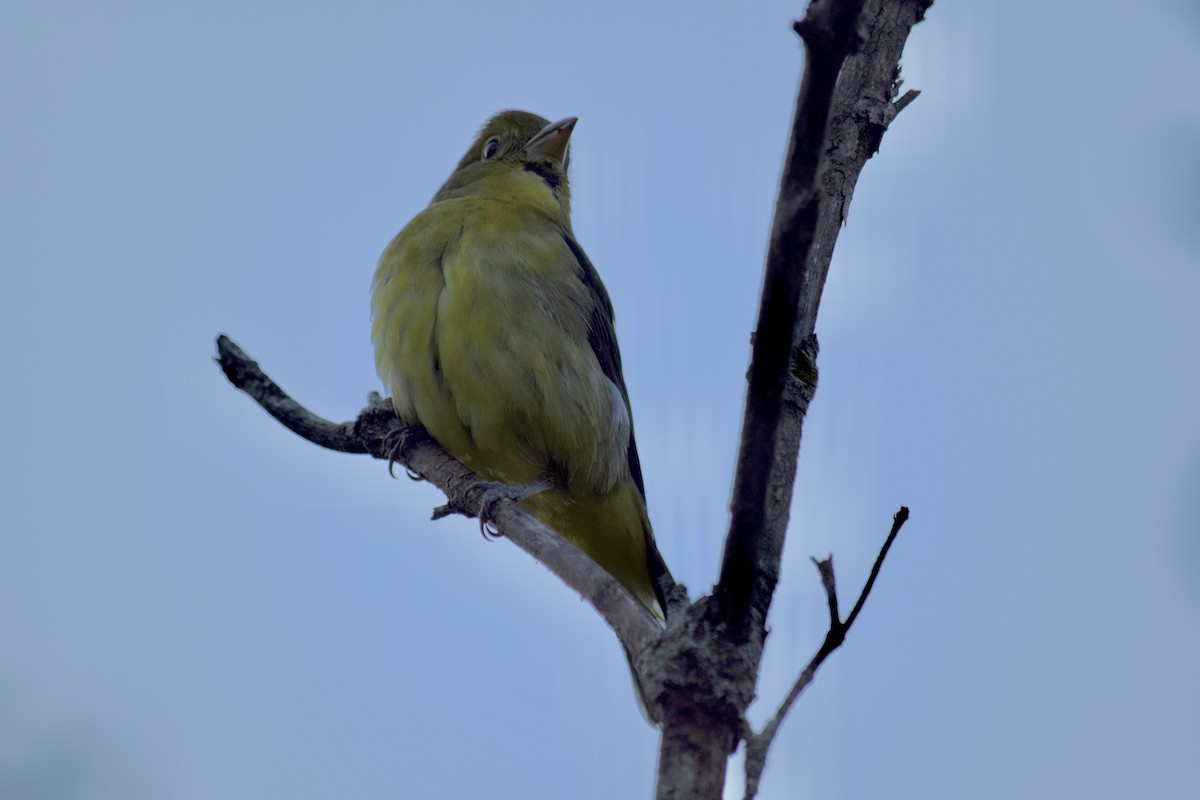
398,441
495,492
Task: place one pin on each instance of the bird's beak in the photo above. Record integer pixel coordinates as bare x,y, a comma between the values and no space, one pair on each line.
551,141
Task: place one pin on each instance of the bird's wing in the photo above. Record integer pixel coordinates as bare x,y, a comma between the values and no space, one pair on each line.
603,339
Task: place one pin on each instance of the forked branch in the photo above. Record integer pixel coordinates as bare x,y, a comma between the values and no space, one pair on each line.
757,744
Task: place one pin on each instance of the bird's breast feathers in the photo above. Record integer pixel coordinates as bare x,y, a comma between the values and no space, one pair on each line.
481,323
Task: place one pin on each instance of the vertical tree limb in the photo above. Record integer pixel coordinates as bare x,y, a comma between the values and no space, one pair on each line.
862,108
783,372
830,33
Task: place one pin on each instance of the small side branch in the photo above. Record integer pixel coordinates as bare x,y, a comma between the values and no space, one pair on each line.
373,432
898,521
245,374
757,744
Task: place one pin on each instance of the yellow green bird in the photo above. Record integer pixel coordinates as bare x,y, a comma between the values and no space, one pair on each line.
493,330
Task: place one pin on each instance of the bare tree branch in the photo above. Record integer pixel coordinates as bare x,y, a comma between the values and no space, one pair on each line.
709,660
371,433
861,111
830,33
829,583
245,374
758,744
898,521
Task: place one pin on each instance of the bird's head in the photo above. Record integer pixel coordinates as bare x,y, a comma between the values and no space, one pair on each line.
517,156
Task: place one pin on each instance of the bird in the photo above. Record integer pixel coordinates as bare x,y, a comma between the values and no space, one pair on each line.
493,331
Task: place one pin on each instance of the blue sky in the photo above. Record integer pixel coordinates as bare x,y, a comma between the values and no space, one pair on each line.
196,604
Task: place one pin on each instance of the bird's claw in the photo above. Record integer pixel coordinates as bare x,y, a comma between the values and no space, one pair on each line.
396,444
495,492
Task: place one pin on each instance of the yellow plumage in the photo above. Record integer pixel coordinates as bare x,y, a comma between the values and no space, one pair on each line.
493,331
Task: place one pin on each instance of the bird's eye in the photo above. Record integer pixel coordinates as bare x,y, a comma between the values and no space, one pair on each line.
491,148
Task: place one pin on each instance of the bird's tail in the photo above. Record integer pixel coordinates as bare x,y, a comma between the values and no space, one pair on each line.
614,530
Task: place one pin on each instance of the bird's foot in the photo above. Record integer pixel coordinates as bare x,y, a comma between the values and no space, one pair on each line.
495,492
398,442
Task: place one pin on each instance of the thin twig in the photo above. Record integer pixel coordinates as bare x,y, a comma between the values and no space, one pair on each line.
757,744
829,582
244,373
904,100
897,523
